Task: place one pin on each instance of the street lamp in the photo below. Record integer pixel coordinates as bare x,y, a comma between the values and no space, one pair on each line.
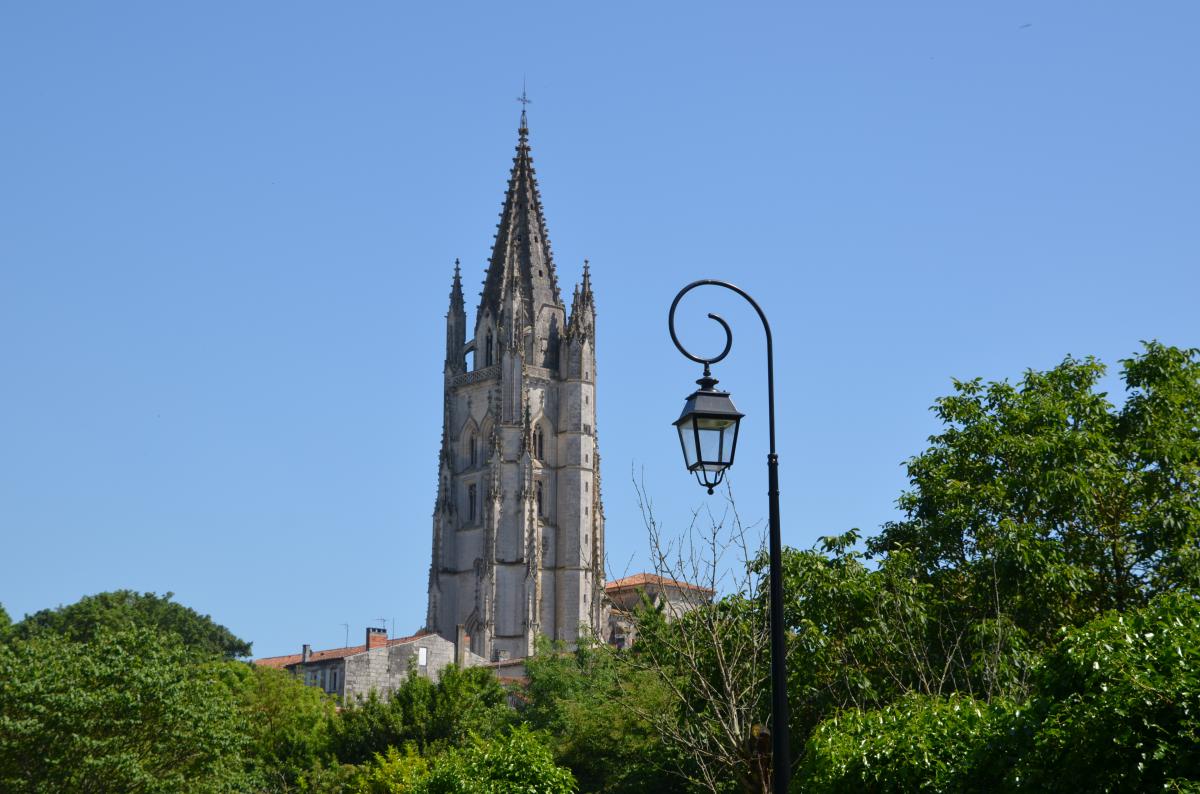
708,431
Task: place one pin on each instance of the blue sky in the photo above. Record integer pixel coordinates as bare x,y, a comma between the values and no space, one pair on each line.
227,233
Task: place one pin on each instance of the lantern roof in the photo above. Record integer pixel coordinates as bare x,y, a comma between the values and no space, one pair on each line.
709,402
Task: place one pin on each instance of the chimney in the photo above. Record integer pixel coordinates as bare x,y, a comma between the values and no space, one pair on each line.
376,638
305,653
460,646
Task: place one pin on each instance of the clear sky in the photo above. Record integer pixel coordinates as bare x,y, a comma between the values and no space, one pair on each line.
227,232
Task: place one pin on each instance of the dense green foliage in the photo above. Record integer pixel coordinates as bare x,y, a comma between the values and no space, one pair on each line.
1033,613
433,716
915,742
5,622
1115,706
593,707
287,724
128,712
120,609
516,761
1032,623
1041,504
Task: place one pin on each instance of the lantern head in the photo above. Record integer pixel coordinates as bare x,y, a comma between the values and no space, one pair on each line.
708,431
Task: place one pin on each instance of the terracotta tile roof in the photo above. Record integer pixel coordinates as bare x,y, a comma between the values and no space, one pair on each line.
646,579
281,662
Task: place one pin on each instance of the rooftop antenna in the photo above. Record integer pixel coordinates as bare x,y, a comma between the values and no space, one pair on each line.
382,623
346,626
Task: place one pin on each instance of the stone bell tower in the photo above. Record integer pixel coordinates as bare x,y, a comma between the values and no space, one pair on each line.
518,527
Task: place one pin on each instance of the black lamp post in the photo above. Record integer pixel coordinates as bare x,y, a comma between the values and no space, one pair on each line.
708,431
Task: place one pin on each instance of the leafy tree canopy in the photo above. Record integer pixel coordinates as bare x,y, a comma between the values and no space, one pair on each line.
130,711
287,723
118,609
1113,708
430,715
515,761
1041,504
594,706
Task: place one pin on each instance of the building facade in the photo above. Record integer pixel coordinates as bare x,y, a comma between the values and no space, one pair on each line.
380,664
671,597
518,525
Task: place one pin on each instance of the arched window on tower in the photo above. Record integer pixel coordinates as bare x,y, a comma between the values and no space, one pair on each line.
474,442
487,350
539,444
541,509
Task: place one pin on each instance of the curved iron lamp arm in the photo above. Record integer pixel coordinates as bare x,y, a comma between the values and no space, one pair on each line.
780,739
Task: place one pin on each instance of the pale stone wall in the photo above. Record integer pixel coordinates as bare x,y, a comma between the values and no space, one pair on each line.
385,669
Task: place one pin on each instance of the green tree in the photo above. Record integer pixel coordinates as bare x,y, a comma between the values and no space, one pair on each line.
916,743
1041,505
129,711
393,772
514,761
1115,705
431,715
592,704
709,657
118,609
5,623
287,724
1112,708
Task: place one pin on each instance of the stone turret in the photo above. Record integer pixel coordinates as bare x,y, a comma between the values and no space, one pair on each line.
456,328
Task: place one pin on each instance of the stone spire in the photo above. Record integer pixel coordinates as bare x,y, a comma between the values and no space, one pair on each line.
582,322
521,268
456,327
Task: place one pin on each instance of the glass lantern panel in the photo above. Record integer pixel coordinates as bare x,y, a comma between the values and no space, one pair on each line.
687,438
715,435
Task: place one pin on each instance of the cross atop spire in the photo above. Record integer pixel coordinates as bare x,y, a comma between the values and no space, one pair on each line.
524,100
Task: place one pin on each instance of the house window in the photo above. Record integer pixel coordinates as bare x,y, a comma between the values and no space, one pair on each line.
471,494
422,656
333,680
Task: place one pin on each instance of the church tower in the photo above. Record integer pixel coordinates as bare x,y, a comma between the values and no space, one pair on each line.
518,527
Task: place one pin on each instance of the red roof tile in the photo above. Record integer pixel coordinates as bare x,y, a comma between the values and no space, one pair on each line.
645,579
281,662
